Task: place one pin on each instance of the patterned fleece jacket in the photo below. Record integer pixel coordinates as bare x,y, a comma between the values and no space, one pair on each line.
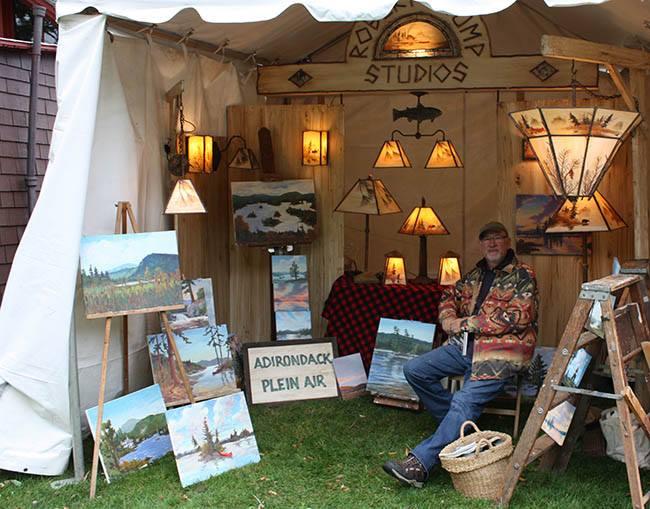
505,326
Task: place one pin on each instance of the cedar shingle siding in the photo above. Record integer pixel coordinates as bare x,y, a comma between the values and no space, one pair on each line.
14,107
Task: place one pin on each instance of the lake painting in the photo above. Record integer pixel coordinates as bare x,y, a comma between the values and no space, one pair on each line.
276,213
292,325
290,285
212,437
127,274
557,421
134,432
199,306
207,359
533,216
398,341
350,375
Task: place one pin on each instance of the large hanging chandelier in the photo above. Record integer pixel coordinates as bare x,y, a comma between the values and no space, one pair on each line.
575,146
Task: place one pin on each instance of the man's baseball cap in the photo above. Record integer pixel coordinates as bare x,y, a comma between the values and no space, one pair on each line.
492,227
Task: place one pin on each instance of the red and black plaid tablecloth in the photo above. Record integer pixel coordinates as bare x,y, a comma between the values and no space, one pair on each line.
353,311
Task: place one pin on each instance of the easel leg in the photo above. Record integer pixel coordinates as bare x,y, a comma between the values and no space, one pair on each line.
179,362
100,408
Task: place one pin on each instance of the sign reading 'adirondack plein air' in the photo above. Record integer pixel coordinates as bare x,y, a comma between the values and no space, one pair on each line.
128,274
277,213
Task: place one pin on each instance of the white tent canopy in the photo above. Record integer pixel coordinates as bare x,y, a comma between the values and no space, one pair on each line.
106,146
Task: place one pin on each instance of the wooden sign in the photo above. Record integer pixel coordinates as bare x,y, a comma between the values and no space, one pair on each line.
417,49
290,371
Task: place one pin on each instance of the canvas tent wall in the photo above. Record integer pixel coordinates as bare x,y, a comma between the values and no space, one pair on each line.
106,147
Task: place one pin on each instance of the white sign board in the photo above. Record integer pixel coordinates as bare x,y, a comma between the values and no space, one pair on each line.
290,371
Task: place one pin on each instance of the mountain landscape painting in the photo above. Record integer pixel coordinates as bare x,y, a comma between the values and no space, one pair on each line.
207,360
398,341
277,213
128,274
134,432
199,306
290,285
212,437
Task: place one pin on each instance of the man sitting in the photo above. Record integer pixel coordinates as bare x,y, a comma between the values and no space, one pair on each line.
490,316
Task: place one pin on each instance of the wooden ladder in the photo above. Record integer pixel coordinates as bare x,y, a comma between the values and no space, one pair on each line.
625,312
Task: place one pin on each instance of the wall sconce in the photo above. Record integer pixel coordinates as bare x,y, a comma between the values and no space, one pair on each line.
449,271
394,269
184,199
393,155
423,221
315,148
200,153
244,158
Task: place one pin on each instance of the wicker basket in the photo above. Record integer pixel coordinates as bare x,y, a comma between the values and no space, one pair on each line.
480,474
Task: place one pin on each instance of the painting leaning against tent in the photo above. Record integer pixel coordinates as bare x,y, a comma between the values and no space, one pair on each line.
533,216
276,213
207,359
290,285
350,375
398,341
212,437
134,432
199,306
128,274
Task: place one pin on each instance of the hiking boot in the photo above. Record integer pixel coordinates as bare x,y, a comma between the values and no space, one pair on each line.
408,471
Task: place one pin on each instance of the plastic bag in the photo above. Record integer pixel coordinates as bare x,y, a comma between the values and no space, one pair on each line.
609,423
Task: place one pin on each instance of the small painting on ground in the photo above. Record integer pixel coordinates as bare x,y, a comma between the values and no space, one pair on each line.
290,285
557,421
207,359
128,274
398,341
199,306
212,437
533,216
134,432
292,325
277,213
350,375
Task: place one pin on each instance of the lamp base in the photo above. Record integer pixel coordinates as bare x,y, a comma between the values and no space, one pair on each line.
422,280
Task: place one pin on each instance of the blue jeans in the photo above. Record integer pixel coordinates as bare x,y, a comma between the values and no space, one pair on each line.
450,410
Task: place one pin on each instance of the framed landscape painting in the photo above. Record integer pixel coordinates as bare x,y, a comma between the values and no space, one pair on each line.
290,285
398,341
134,432
207,359
276,213
129,274
212,437
199,306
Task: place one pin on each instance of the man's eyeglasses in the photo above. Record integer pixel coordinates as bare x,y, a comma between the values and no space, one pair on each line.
498,238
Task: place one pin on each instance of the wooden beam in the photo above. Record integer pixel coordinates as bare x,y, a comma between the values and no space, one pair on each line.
566,48
622,88
640,154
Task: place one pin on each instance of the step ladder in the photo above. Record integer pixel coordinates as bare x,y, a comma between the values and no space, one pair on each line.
625,313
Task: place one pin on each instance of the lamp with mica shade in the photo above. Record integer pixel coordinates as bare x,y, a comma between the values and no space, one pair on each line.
394,269
184,199
315,148
449,271
423,221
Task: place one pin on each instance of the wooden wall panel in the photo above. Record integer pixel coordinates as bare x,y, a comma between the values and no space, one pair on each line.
203,238
559,277
250,288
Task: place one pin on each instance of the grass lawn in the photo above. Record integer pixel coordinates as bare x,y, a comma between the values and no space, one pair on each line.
326,454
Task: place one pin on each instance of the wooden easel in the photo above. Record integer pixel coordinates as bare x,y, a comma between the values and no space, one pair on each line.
124,210
625,327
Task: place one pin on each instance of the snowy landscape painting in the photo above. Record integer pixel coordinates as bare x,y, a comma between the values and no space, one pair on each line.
127,274
199,306
290,285
275,213
212,437
207,359
134,432
293,325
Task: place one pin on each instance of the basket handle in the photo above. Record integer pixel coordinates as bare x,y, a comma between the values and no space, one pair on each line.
462,428
480,442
